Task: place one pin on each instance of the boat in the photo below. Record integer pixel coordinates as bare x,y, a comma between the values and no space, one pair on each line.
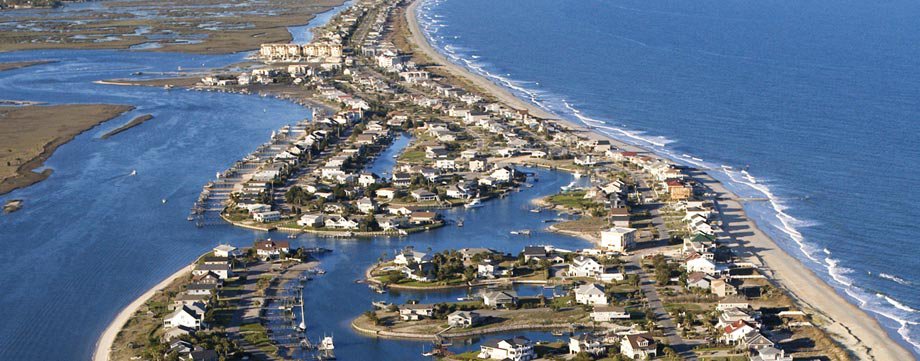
133,172
326,348
303,316
523,232
577,174
474,203
163,200
380,304
535,210
557,333
460,223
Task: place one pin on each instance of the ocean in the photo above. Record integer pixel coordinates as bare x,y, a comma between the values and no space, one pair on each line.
812,105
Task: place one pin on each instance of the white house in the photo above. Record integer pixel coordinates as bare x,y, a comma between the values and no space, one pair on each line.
639,346
415,312
587,344
605,313
736,331
225,250
701,264
500,299
585,267
618,239
311,220
410,256
265,217
464,319
590,294
513,349
183,316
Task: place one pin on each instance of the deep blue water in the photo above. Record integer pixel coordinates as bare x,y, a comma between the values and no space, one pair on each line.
820,99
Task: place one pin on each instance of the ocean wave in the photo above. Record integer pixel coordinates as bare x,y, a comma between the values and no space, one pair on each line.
895,279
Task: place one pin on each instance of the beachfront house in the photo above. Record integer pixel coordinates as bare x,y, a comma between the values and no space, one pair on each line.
639,346
585,267
735,332
269,248
618,239
604,313
590,294
464,319
770,354
222,270
226,250
513,349
183,316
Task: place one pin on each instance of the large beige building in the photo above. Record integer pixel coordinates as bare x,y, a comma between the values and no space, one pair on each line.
297,52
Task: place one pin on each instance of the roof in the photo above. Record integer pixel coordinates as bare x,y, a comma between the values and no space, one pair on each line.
737,325
589,289
416,306
271,245
635,339
516,341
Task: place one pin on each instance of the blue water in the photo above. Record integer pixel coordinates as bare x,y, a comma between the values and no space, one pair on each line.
820,99
303,34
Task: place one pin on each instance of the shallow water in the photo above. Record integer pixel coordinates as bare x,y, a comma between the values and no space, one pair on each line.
819,99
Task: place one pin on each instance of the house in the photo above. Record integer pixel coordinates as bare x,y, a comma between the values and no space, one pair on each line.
269,248
423,217
732,302
698,280
366,179
756,341
604,313
488,269
410,256
477,164
771,354
265,217
339,222
415,312
722,287
464,319
732,315
388,193
225,250
183,316
586,343
500,299
422,195
311,220
512,349
585,267
639,346
206,289
735,332
222,270
503,174
618,239
366,205
677,190
590,294
619,217
697,263
402,179
200,354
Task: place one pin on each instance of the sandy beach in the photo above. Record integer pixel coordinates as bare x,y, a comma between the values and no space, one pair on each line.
104,344
860,333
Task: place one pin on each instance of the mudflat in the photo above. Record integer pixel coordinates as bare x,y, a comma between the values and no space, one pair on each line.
30,134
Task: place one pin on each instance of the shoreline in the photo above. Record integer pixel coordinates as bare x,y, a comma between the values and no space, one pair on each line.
847,324
107,339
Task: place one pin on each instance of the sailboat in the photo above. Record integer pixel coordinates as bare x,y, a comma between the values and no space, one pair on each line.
303,316
133,172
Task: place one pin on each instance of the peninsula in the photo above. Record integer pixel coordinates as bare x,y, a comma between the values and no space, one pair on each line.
676,268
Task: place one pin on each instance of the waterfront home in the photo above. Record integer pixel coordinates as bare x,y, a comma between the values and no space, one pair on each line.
677,189
401,210
540,253
422,195
604,313
585,160
770,354
489,269
464,319
408,256
586,343
503,174
456,191
500,299
207,289
183,316
590,294
639,346
469,253
423,217
698,263
512,349
366,179
209,278
226,250
313,220
618,239
732,315
269,248
340,222
755,341
265,217
222,270
415,312
699,243
735,332
585,267
179,347
201,354
388,223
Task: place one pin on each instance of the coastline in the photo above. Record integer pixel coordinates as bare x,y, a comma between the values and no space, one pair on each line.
104,343
847,323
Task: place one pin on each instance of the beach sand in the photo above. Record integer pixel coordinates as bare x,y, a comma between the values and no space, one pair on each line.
104,344
860,333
